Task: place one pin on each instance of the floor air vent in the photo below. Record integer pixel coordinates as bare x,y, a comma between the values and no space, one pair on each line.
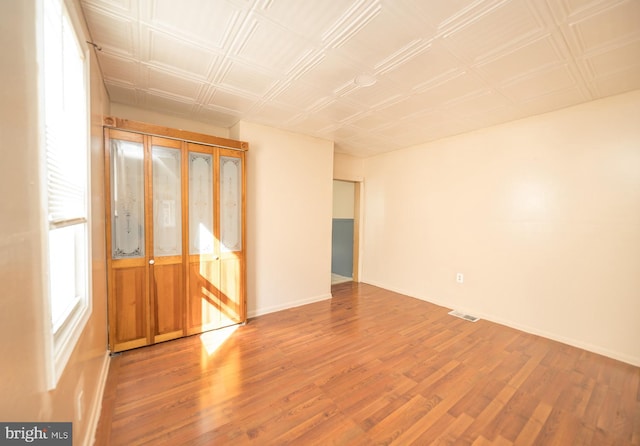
466,317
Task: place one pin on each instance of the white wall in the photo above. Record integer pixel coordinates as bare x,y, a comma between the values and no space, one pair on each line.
152,117
22,320
347,167
289,206
541,215
289,210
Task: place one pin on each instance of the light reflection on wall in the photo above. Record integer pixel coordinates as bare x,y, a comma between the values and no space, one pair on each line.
531,200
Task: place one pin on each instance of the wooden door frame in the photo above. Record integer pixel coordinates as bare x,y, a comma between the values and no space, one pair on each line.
357,185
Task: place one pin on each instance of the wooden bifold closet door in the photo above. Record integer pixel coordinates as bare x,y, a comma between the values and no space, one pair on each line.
175,234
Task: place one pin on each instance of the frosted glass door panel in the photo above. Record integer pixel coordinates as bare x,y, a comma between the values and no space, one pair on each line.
230,204
167,202
201,203
127,202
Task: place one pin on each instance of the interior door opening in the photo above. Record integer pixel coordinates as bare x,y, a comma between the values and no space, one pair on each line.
345,231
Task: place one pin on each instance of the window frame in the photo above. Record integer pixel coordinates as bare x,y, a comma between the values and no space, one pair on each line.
61,339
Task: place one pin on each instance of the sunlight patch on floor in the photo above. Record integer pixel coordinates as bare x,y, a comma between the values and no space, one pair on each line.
212,340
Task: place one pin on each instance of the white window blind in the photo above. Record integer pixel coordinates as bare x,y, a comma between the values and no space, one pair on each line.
65,120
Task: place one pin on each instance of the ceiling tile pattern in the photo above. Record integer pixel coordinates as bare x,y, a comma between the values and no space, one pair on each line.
443,67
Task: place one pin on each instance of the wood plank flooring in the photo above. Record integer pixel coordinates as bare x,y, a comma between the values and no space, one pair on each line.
368,367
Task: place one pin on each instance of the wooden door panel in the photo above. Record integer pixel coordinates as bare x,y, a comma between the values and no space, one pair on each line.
204,303
176,236
168,294
166,238
128,298
130,328
231,291
231,206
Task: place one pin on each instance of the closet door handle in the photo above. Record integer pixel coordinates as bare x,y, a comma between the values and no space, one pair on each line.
151,262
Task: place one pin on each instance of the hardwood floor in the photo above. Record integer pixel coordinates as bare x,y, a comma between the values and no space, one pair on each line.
368,367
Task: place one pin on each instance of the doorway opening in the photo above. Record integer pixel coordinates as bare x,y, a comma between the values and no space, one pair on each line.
345,231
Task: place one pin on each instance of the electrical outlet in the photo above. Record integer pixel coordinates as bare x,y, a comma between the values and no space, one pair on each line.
459,277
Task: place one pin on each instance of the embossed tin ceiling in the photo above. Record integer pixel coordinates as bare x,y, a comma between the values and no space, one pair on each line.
443,67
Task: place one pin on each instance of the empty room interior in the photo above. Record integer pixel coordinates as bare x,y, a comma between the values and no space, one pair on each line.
322,222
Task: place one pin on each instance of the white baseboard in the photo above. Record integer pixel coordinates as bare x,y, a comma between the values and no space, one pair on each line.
287,305
526,328
569,341
96,407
